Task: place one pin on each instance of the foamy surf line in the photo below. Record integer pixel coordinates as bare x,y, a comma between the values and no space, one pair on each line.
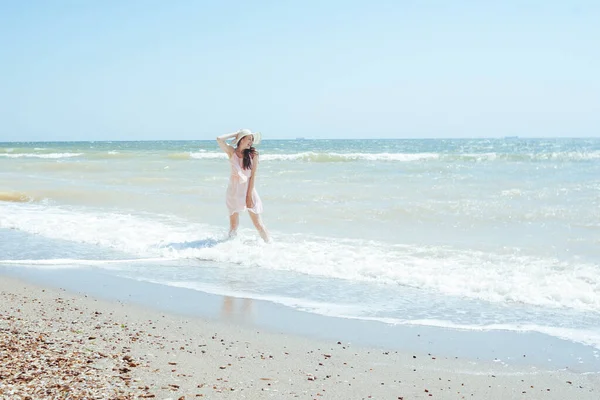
324,157
35,155
348,311
445,270
582,336
543,351
320,157
79,262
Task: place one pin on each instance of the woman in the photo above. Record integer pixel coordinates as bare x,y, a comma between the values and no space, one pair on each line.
241,194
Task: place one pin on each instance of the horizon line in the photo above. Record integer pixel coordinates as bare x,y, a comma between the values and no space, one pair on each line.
308,138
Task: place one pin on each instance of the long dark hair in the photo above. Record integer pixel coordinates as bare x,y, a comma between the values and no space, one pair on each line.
248,156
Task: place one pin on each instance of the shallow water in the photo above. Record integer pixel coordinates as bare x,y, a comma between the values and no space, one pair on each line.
471,234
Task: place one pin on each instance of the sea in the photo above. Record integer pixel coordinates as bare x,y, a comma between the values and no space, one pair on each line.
495,234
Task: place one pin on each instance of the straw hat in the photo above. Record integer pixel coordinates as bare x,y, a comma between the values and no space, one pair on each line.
245,132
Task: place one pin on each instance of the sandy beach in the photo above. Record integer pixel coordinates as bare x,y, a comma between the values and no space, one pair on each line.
308,200
57,344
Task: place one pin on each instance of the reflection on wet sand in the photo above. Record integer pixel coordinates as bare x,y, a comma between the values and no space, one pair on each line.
243,311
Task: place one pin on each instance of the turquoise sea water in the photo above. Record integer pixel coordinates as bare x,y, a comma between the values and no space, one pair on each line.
482,234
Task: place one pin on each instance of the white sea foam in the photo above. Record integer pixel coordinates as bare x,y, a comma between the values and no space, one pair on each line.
76,262
340,157
587,337
125,232
41,155
322,157
522,156
354,311
496,278
311,156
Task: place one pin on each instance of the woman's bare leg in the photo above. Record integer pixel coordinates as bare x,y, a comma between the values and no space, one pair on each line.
257,221
234,222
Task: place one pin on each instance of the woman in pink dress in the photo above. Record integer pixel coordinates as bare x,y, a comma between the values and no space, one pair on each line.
241,194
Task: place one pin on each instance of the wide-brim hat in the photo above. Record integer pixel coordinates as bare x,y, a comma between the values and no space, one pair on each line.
246,132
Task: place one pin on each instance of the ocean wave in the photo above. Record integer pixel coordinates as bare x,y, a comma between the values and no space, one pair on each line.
523,157
361,312
496,278
347,157
76,263
583,336
197,156
180,156
40,155
315,157
335,157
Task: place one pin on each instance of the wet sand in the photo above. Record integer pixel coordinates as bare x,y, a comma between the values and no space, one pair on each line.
55,342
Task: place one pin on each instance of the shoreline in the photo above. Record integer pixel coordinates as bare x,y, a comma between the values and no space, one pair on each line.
170,355
510,348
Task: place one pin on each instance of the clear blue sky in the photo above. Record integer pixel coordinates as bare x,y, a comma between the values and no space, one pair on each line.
183,69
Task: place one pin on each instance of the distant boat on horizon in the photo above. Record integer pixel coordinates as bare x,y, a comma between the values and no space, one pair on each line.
511,137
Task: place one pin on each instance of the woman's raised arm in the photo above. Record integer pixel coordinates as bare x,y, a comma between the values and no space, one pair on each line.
223,145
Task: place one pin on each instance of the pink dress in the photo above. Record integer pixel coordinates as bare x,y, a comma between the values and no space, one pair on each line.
238,188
